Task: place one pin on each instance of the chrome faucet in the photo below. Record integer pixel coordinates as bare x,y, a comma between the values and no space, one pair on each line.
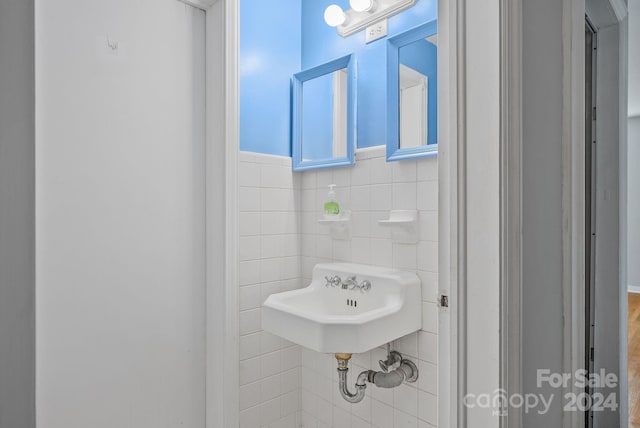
333,281
350,283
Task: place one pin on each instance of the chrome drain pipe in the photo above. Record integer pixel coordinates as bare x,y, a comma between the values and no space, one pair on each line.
406,372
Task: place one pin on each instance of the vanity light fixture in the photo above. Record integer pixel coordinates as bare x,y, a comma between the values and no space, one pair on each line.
334,16
363,14
362,5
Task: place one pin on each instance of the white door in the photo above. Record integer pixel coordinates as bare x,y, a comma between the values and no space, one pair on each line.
120,214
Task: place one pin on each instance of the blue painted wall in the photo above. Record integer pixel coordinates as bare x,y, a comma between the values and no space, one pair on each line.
321,43
422,56
281,37
270,53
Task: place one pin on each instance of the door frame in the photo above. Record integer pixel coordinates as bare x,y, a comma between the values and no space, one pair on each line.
470,359
222,229
574,237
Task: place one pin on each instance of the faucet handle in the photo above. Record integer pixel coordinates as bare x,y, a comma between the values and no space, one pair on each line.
333,281
365,286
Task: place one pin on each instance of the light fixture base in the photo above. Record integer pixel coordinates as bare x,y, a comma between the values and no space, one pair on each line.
357,21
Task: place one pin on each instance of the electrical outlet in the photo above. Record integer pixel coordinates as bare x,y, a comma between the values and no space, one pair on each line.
376,31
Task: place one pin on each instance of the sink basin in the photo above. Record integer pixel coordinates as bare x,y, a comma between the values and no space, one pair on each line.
332,319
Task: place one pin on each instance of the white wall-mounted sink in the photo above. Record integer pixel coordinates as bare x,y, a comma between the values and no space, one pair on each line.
332,319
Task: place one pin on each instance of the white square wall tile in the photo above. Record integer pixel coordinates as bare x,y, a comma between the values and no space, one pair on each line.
250,418
270,389
289,406
361,224
248,174
405,399
269,288
428,221
430,317
270,411
269,342
381,414
249,248
381,252
408,345
249,199
249,223
277,200
405,256
428,256
270,270
405,171
362,409
308,179
404,196
342,176
428,347
361,198
428,407
249,297
290,380
361,250
378,231
271,246
404,420
250,346
427,169
427,195
429,282
250,321
381,197
361,173
291,357
428,380
276,176
270,363
341,418
250,371
249,272
324,177
381,171
342,250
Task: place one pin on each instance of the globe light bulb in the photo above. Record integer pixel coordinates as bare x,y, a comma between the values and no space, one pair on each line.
334,16
361,5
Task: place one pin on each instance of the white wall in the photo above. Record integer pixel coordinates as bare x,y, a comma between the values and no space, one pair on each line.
607,254
282,385
370,189
269,263
634,58
633,147
633,203
17,210
542,311
120,214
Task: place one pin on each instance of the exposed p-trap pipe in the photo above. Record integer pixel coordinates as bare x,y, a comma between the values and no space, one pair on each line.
406,371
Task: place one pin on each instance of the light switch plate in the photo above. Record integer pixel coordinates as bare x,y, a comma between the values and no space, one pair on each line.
376,31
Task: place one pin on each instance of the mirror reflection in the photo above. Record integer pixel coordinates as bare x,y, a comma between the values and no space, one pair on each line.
412,88
418,69
324,117
323,121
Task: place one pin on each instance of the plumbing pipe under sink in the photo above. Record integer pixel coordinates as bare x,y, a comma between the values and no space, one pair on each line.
407,371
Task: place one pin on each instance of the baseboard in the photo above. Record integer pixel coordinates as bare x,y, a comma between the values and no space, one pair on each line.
633,289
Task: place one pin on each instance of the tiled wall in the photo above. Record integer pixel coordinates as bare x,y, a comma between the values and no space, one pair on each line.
269,200
370,190
281,240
